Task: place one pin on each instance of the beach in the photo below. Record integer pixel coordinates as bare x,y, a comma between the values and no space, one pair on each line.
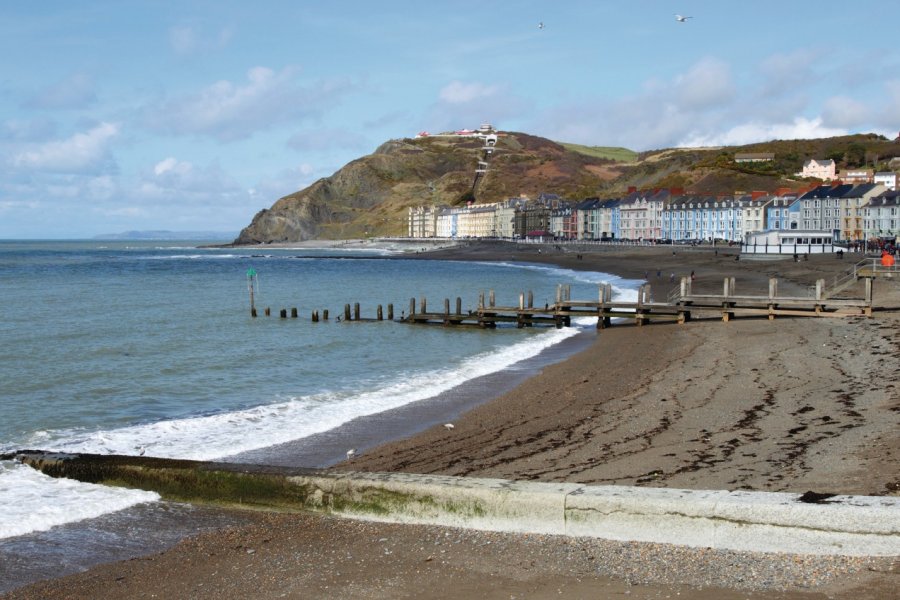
793,404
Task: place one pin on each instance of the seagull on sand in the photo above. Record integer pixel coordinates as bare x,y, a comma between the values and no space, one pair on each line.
448,426
682,19
351,453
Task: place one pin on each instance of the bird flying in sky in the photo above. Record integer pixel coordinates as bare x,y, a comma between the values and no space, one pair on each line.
682,19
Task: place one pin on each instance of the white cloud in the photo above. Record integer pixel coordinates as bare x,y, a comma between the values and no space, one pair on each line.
457,92
707,84
845,112
748,133
86,152
186,40
174,180
228,111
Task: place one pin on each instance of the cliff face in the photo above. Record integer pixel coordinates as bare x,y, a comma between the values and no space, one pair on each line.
371,195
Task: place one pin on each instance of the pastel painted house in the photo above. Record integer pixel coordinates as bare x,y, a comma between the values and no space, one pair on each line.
820,169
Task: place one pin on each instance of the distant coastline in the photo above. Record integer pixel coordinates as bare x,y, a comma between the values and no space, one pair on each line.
166,235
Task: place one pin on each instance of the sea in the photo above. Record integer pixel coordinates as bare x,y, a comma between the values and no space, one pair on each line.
121,347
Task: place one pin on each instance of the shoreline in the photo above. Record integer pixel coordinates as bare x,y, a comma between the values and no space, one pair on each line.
642,406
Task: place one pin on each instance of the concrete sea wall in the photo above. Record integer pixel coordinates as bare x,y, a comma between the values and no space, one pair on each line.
739,520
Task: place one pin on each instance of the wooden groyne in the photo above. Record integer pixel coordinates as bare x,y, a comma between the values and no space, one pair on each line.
679,306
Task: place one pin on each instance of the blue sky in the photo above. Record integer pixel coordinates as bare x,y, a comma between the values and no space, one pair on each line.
195,115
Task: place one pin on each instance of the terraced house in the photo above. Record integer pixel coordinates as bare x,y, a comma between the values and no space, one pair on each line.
700,218
882,216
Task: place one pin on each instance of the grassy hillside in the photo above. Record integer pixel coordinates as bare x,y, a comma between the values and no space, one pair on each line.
607,152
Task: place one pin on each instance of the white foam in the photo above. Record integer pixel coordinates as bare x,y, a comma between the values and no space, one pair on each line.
212,437
33,501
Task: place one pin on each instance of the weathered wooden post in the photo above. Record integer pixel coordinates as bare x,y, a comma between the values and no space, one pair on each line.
446,306
481,300
412,307
773,288
458,305
283,313
530,299
378,313
491,298
558,293
423,306
346,312
820,289
726,288
294,312
870,293
390,312
252,281
356,311
315,316
521,300
325,314
268,311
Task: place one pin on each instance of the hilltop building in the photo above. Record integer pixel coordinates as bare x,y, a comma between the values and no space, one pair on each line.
820,169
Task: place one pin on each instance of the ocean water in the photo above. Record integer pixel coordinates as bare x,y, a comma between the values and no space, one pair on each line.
128,347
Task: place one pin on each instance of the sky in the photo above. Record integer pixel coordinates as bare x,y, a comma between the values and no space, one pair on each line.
195,115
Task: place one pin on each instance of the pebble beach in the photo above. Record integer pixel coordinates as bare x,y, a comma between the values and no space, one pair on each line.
790,405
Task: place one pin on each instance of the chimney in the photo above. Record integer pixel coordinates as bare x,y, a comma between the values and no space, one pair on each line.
632,189
757,194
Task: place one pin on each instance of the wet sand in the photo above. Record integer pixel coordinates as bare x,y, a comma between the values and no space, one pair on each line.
783,405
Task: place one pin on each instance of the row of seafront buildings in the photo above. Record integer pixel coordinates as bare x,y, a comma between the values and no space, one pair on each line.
844,212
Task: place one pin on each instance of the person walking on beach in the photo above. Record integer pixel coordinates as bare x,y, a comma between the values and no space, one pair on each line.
693,277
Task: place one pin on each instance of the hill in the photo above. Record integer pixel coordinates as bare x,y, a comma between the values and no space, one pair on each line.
370,196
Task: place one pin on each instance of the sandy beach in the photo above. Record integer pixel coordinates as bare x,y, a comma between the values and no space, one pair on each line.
793,404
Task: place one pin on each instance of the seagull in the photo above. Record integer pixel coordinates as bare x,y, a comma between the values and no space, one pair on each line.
141,450
448,426
682,19
541,25
351,453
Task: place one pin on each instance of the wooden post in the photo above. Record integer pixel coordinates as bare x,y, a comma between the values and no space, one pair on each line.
458,305
294,312
253,312
558,293
315,316
346,312
870,292
423,305
481,300
390,312
283,313
648,297
733,287
684,286
820,289
268,311
412,307
378,314
725,288
446,306
773,288
491,299
325,314
521,300
356,311
530,299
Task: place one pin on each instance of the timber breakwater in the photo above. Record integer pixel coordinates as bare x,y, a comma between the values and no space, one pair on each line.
810,523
